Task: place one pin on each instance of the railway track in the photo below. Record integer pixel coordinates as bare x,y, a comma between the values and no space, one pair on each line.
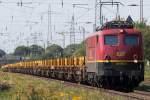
142,92
147,81
136,95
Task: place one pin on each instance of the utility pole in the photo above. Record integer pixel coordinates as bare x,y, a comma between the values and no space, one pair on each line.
28,47
35,37
49,34
63,35
99,7
95,24
64,40
141,11
72,29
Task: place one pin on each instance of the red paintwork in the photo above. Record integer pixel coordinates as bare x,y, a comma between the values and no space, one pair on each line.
98,51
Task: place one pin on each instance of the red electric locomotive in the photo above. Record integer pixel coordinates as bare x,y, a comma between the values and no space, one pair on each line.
115,55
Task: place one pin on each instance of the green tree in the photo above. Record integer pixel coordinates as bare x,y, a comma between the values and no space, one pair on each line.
80,51
36,52
54,51
70,50
22,51
145,29
2,53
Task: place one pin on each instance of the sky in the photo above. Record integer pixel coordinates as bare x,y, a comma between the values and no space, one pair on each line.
27,23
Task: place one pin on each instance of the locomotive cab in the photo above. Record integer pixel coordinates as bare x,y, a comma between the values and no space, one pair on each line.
116,53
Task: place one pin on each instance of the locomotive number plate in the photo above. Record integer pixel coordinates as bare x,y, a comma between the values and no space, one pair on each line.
120,54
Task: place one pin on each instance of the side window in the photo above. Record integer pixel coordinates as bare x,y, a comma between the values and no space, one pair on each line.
97,39
110,39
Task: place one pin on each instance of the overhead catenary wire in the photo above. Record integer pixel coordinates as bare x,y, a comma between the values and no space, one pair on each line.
31,10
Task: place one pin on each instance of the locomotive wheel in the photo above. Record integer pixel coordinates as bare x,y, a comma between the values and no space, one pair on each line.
100,82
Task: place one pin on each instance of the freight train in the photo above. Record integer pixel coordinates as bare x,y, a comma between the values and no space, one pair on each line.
114,58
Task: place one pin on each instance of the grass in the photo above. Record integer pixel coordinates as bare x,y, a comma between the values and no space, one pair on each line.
23,87
147,74
142,86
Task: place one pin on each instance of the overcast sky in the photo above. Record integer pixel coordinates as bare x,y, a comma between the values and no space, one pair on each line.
18,24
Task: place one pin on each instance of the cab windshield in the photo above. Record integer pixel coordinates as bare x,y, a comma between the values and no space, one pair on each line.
131,40
111,39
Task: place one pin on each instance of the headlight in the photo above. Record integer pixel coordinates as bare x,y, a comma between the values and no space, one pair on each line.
135,57
135,61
